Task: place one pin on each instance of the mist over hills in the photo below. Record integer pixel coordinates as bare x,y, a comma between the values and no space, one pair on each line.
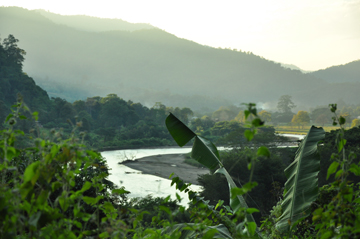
151,65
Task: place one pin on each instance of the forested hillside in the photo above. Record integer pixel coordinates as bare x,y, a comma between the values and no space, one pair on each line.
93,24
152,65
110,122
14,81
349,72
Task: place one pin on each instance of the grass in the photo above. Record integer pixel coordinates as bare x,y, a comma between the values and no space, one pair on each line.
292,129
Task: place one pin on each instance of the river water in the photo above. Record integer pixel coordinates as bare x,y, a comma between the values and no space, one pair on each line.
141,185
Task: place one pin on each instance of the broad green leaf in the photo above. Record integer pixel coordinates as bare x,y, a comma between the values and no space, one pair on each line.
246,113
104,235
35,115
63,203
42,198
8,117
54,150
326,235
10,153
302,184
205,152
355,169
263,151
251,210
120,191
339,173
249,135
91,200
341,144
30,174
342,120
332,169
236,202
251,226
257,122
178,130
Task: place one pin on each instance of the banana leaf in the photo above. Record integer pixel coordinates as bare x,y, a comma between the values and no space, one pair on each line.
302,184
206,153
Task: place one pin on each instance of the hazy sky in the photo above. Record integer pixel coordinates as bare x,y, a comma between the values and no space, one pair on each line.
311,34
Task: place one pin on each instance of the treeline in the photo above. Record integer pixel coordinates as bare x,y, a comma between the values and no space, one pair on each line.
110,122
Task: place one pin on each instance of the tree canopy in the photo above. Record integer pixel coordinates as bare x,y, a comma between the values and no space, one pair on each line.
285,104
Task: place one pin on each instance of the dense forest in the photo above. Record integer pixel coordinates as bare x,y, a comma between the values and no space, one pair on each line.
151,65
337,74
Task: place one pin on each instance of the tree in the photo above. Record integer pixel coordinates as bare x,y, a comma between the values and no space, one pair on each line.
321,115
322,119
223,114
355,123
285,104
14,55
301,118
347,116
265,115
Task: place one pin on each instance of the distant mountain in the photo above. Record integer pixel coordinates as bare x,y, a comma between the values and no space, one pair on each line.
151,65
93,24
293,67
349,72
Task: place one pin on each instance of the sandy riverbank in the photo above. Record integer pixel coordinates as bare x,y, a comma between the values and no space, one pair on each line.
163,165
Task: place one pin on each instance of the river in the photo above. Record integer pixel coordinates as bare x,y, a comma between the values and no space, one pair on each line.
141,185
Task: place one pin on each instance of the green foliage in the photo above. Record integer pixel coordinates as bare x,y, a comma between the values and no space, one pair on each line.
205,152
301,187
355,123
266,171
301,118
59,189
329,222
53,189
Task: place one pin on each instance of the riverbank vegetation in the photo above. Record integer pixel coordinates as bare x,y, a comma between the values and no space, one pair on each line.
58,188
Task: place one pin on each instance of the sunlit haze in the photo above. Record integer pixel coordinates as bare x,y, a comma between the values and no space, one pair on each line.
309,34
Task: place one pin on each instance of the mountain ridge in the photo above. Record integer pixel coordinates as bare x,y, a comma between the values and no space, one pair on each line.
153,65
93,24
349,72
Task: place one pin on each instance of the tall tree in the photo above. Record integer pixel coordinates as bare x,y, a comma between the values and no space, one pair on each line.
285,104
301,118
14,55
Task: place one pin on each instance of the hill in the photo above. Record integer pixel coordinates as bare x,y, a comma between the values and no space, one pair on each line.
151,65
349,72
93,24
293,67
14,82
